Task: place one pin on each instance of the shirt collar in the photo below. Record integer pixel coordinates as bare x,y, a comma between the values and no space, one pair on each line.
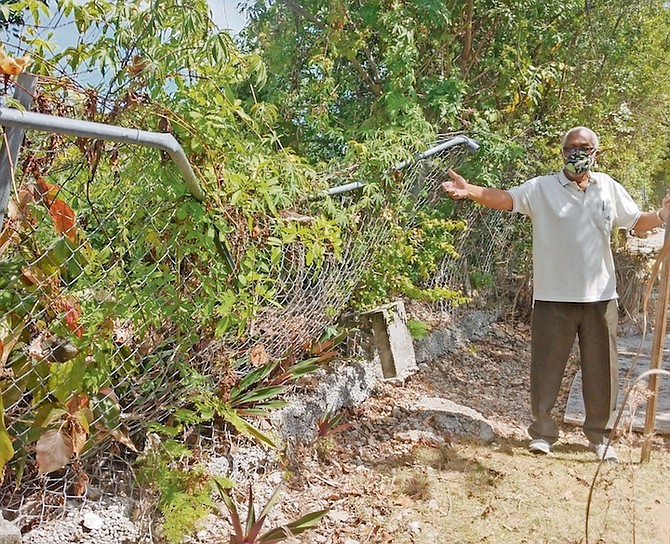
565,180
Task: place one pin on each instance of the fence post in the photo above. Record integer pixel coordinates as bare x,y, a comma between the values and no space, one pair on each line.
656,361
9,153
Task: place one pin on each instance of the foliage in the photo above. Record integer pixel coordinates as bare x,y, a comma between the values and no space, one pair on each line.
11,14
116,293
249,533
519,74
414,254
329,424
44,319
418,329
184,493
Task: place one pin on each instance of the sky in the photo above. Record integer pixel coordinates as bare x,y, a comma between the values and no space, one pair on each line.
226,15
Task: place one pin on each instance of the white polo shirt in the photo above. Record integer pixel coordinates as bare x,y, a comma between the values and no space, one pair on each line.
572,256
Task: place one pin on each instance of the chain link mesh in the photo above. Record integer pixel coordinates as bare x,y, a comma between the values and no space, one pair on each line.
98,285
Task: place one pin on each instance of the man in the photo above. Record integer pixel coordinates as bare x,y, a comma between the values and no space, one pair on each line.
574,285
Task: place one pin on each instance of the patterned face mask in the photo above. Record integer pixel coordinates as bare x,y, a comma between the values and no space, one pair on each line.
580,161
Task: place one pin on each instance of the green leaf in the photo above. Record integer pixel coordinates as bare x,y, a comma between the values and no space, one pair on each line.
6,448
245,427
257,395
305,523
303,367
253,377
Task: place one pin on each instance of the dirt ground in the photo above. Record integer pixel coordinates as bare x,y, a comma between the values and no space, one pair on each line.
388,477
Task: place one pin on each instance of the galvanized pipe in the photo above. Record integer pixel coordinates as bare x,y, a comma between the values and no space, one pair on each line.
23,94
99,131
453,142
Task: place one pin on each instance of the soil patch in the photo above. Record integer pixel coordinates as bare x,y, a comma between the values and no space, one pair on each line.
388,477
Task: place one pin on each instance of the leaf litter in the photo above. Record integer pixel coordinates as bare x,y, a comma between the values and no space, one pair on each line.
387,476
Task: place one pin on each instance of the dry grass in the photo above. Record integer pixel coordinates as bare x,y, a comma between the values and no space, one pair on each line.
503,494
386,483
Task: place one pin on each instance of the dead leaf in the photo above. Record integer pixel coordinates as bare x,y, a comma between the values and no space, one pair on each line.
403,501
7,346
338,515
123,438
80,484
123,333
138,65
24,61
258,356
33,275
19,204
72,314
54,451
55,349
64,219
47,191
109,393
76,403
78,439
10,67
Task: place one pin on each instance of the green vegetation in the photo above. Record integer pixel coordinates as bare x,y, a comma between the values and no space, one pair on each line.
116,285
418,329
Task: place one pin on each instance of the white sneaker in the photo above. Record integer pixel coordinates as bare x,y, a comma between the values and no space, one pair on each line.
605,453
539,445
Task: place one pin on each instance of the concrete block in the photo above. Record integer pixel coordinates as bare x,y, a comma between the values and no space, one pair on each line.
465,327
393,340
341,385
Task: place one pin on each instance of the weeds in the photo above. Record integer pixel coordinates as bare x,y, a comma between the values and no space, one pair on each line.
249,532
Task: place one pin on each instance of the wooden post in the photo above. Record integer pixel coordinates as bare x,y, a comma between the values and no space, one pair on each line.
658,344
9,153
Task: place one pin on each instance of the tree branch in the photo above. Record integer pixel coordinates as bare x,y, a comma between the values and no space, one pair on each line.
302,12
374,87
467,43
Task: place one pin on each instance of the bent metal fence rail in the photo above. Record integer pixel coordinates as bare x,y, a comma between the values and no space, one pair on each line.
101,292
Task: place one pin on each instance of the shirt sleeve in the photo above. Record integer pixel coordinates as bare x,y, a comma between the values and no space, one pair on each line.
627,211
521,196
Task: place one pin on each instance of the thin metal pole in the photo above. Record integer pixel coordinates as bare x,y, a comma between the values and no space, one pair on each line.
458,140
100,131
9,153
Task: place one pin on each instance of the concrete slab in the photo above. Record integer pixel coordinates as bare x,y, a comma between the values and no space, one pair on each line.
633,416
393,340
453,419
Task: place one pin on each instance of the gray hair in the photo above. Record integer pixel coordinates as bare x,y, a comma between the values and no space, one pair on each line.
579,129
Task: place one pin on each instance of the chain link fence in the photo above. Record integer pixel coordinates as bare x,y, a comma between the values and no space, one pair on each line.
103,284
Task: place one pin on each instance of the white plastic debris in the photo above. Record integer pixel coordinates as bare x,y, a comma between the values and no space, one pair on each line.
92,521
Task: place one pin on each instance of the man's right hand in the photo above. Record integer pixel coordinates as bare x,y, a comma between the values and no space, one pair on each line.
491,197
457,188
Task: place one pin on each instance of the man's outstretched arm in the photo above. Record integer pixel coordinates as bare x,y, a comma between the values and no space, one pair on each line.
458,189
652,220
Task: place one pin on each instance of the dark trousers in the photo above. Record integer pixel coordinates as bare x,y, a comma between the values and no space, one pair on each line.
554,328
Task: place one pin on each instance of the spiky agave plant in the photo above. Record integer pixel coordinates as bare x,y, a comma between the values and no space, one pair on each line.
249,533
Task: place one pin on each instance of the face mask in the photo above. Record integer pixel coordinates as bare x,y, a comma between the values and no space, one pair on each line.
579,161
